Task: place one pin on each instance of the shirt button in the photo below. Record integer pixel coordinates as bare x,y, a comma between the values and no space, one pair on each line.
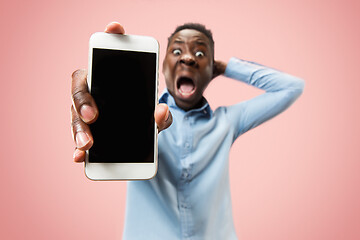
185,205
186,118
187,145
185,174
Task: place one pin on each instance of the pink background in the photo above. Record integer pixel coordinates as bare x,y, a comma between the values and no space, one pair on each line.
295,177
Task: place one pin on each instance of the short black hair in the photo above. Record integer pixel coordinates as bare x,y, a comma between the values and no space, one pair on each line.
198,27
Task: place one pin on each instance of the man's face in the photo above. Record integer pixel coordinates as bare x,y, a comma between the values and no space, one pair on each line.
188,67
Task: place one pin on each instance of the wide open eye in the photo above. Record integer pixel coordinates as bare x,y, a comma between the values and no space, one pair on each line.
199,54
176,52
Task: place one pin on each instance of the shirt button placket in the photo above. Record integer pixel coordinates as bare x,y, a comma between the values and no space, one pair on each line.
184,204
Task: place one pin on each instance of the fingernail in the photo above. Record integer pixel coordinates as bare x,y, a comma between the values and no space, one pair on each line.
77,155
87,113
82,139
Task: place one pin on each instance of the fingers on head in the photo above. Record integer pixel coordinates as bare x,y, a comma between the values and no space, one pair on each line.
83,102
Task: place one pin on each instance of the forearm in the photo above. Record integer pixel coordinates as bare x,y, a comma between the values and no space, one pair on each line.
281,91
262,77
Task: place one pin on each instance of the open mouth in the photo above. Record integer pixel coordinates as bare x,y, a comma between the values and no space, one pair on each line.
185,86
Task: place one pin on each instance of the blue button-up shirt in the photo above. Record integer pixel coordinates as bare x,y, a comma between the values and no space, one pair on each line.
190,196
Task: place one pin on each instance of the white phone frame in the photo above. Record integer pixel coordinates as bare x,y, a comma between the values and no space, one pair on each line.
123,171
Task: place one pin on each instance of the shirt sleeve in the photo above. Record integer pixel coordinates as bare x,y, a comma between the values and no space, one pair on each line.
281,90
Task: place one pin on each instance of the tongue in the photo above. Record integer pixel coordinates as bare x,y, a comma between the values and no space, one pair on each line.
186,87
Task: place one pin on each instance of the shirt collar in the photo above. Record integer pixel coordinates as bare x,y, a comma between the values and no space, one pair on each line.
170,101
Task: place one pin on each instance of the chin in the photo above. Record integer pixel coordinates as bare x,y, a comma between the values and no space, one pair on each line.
186,103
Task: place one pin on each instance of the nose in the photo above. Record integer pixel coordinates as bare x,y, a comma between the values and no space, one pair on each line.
188,60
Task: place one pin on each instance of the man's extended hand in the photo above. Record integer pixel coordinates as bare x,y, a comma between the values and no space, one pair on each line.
84,110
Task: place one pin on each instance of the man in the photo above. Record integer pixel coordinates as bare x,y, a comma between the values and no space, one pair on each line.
190,196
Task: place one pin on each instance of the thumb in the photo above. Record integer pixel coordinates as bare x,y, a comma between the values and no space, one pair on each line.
163,117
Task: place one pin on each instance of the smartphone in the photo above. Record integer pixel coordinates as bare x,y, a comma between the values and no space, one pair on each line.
123,80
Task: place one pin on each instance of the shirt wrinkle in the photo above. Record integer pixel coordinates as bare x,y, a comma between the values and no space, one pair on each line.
190,198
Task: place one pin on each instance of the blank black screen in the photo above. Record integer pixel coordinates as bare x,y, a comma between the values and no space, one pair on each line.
123,86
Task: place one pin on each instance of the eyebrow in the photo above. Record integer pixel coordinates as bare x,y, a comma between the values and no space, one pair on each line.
198,42
179,42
